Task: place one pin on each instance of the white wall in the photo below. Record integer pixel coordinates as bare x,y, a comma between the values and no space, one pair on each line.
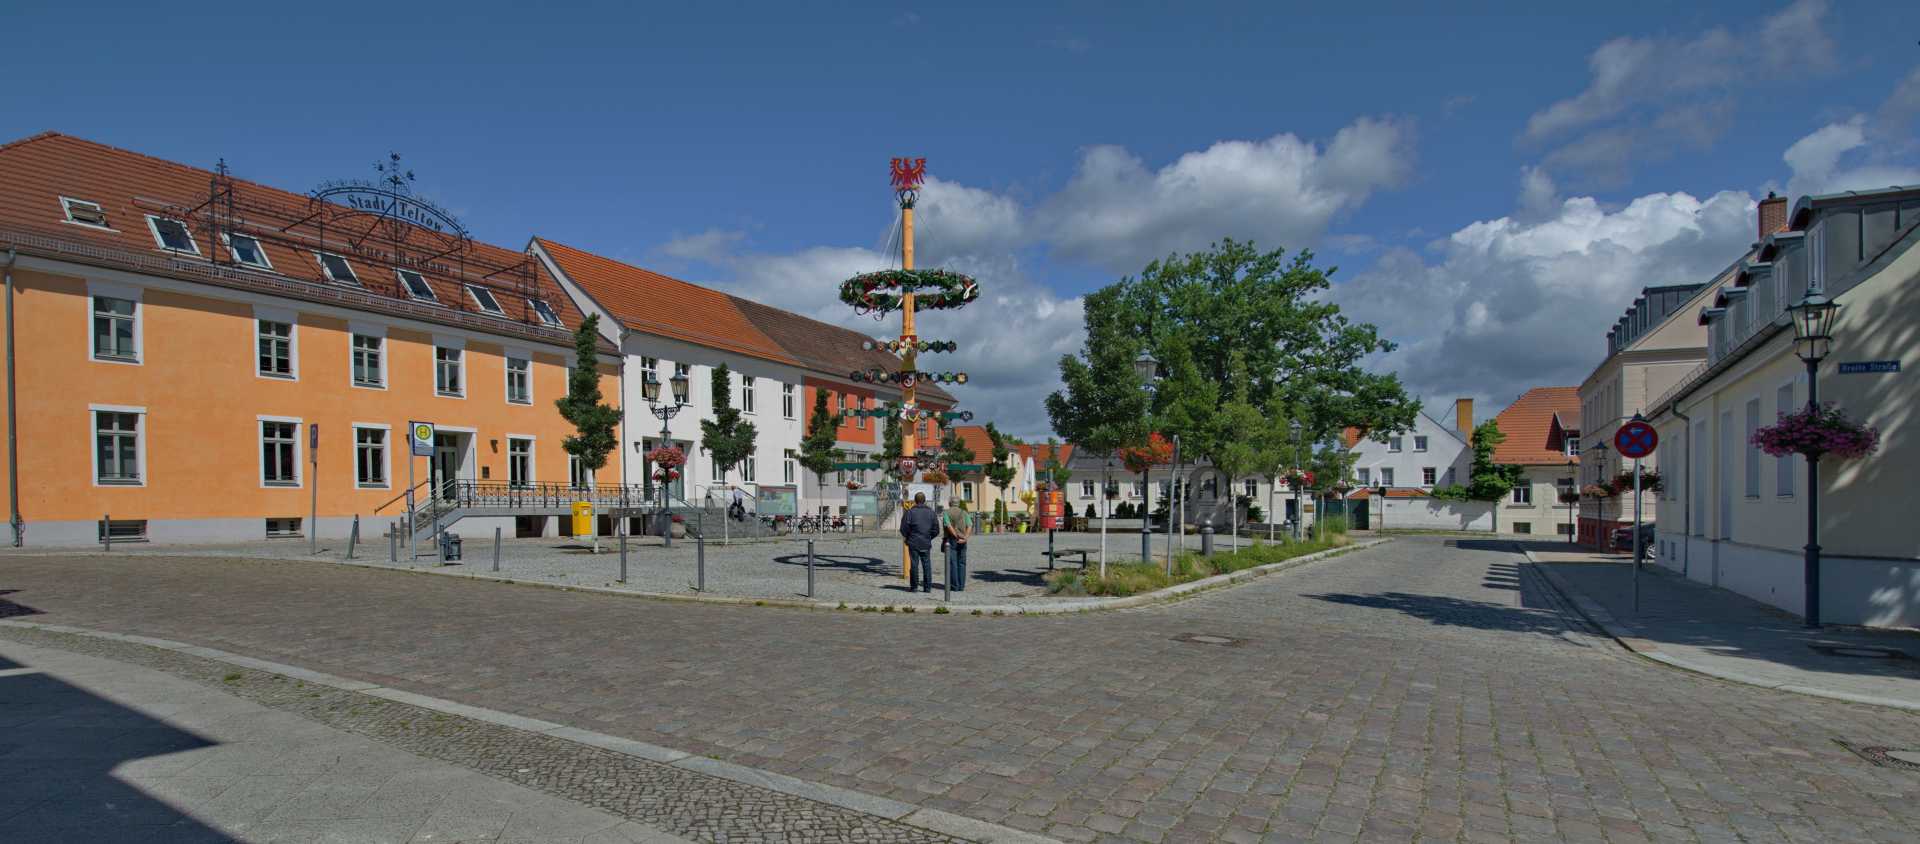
773,432
1429,513
1445,450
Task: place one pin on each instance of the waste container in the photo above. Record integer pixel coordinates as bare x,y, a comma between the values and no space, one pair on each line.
582,518
449,546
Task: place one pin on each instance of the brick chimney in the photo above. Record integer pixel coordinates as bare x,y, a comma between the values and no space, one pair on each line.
1773,214
1463,418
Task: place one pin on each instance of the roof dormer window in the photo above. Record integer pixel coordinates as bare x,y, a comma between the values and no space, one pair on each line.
172,235
545,312
337,269
84,213
247,250
417,286
484,299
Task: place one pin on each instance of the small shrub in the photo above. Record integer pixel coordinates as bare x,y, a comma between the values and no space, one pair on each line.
887,608
941,610
908,610
843,605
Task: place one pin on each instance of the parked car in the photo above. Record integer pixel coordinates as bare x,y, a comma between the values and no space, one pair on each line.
1622,538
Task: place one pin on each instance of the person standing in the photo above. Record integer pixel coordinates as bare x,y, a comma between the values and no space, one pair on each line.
918,527
958,526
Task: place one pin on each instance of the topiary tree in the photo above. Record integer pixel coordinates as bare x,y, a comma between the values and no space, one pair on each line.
727,438
999,473
593,422
817,451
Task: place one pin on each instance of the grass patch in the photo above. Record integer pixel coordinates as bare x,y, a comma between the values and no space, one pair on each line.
1138,578
941,611
231,678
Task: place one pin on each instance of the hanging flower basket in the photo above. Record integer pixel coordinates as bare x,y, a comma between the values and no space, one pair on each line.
1623,482
1597,491
853,484
1569,497
1298,479
666,476
1816,432
934,476
667,457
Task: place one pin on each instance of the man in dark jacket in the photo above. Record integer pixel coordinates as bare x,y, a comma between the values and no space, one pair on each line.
918,527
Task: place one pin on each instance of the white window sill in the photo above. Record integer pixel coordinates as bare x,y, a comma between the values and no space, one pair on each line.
275,376
121,361
447,395
381,485
370,386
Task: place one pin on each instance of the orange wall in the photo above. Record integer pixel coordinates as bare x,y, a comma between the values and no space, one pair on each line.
197,382
850,431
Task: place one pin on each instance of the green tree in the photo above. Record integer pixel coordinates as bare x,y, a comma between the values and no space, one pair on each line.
1234,446
999,472
893,448
727,437
817,452
593,422
1053,471
1486,480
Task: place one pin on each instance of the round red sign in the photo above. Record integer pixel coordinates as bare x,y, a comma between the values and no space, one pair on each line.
1636,439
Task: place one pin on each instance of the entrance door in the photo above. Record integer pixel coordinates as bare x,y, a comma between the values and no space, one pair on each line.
446,463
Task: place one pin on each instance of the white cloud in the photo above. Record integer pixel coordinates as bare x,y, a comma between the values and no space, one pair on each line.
1282,191
705,246
1861,152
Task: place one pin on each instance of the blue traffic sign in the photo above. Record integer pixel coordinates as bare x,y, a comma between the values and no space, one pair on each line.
1636,439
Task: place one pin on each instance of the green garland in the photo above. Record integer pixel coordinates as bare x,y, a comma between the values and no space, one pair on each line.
883,291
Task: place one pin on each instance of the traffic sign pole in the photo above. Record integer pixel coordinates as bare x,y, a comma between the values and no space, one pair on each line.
1637,440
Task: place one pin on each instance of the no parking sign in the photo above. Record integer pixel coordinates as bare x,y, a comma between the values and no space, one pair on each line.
1636,439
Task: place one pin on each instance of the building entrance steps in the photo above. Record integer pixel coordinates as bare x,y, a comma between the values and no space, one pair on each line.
1722,634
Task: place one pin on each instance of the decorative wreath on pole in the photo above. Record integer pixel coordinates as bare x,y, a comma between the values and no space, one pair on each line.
882,292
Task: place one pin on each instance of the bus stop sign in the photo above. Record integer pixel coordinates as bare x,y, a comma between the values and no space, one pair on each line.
1636,439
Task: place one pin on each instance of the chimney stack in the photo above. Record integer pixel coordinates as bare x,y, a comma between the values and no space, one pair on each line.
1773,214
1463,418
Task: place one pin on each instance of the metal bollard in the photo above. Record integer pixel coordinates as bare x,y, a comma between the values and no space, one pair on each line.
1146,543
354,537
1206,538
623,550
946,580
496,547
700,562
393,542
809,568
106,530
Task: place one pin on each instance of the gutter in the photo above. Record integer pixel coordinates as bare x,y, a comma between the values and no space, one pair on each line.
13,419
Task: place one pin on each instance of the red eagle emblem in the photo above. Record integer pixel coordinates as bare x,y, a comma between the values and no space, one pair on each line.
908,173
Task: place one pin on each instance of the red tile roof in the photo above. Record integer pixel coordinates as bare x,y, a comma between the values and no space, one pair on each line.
36,172
830,349
644,300
1535,426
1039,453
975,436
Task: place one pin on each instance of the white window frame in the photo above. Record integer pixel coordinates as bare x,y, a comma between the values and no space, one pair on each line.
533,462
129,294
549,316
748,403
66,209
1386,475
748,474
1520,492
401,276
139,443
354,333
1086,489
1395,444
1250,487
353,274
1419,443
860,403
299,451
386,454
966,490
450,344
153,225
788,468
287,318
1363,474
506,371
1429,475
266,263
788,402
715,472
474,292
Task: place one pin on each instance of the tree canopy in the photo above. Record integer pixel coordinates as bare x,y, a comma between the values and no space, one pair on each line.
727,437
817,451
593,422
998,471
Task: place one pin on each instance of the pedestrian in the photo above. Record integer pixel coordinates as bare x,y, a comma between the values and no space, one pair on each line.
738,509
918,527
957,527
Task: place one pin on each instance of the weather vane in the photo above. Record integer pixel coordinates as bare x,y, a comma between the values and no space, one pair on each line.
396,178
908,173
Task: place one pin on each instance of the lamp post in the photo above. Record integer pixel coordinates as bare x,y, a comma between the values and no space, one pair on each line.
1148,369
1812,340
665,411
1573,488
1600,538
1381,491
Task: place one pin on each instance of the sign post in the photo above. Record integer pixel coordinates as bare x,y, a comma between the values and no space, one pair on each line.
1637,440
313,488
419,443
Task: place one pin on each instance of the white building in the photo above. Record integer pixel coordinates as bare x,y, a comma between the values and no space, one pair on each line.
1431,455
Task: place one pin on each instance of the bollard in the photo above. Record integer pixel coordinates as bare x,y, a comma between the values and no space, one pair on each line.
106,530
946,581
354,537
623,550
1206,538
496,547
393,542
809,568
1049,549
700,562
1146,543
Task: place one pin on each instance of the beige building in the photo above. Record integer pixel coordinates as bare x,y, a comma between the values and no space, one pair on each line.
1732,516
1542,432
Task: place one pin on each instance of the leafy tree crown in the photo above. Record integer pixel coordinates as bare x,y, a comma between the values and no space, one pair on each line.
593,422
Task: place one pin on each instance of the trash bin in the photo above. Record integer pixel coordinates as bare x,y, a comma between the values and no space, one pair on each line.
449,546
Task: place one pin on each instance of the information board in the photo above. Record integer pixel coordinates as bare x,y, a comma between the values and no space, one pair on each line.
863,502
777,501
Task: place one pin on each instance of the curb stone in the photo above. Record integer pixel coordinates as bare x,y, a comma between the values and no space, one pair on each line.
1630,638
933,820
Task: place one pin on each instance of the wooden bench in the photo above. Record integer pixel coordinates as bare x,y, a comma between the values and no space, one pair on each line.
1066,552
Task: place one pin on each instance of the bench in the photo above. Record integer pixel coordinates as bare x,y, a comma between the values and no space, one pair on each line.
1065,552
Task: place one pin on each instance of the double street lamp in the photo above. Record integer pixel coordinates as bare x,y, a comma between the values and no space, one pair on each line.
665,411
1812,341
1148,369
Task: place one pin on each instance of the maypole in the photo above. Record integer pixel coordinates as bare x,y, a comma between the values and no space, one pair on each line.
879,293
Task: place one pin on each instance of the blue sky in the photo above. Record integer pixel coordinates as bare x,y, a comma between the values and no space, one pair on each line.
1493,186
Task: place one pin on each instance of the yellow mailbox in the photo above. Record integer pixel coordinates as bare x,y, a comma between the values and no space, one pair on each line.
582,518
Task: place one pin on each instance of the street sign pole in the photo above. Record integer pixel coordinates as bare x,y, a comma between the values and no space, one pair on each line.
1636,536
1637,440
313,488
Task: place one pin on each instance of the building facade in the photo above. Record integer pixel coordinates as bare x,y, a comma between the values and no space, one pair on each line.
202,358
1734,517
1430,455
1542,436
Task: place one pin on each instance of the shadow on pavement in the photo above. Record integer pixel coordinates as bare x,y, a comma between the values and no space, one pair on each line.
9,609
1458,612
1025,577
59,746
864,565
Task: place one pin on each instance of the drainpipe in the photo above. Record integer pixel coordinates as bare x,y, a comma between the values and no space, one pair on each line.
1686,483
626,429
13,419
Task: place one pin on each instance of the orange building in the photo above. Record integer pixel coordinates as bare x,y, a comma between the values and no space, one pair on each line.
182,340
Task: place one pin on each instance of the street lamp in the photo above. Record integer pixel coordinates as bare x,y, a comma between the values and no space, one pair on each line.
1381,491
1812,340
1148,369
665,411
1599,451
1573,488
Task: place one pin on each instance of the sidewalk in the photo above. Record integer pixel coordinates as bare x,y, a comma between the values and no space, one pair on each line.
1722,634
99,750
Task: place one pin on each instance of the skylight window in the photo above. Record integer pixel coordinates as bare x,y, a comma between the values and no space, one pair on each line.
246,250
172,234
484,298
545,311
85,213
337,269
417,286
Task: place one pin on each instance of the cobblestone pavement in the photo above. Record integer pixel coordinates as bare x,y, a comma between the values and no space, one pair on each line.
1426,689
